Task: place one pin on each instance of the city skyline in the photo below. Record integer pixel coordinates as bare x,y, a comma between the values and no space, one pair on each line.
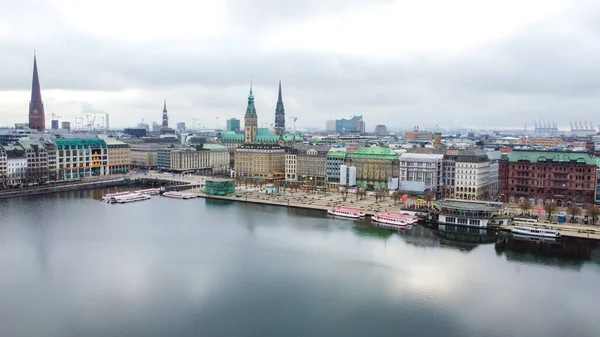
537,63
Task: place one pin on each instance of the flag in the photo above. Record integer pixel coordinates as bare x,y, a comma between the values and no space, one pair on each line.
540,209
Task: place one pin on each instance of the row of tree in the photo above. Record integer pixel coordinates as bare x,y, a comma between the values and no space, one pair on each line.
592,211
30,177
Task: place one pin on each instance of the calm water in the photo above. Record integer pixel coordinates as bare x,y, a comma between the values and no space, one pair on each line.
71,265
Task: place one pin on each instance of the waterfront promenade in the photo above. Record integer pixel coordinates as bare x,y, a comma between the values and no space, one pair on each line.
320,201
300,199
103,181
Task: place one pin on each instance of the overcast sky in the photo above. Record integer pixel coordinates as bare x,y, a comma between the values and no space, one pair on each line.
401,63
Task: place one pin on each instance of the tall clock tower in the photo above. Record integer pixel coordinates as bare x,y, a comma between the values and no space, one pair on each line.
37,118
250,120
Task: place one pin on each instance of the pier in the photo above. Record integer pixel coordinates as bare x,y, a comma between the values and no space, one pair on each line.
566,230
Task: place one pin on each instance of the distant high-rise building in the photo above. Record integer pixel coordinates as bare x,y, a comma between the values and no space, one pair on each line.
37,118
181,126
65,125
330,125
279,114
155,127
233,124
55,124
250,120
354,124
106,124
381,129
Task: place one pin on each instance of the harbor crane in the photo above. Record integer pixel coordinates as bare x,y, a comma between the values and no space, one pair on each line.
294,119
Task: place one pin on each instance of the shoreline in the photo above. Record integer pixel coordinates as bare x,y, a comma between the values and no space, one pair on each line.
567,230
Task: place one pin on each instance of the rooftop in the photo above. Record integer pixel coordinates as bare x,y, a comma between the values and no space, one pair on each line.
421,156
80,142
374,153
557,157
336,154
470,205
256,146
214,147
113,141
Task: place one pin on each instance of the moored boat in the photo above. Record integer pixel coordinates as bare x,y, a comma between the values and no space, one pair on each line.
149,191
178,195
107,196
394,220
130,197
535,231
345,212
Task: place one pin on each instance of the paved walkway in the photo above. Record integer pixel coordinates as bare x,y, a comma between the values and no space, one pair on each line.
311,200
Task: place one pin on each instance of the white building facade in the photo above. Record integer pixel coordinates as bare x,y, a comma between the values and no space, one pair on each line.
473,176
16,170
291,164
3,169
347,175
422,167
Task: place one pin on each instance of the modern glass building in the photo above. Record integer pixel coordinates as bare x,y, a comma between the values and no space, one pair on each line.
354,124
233,124
220,186
79,158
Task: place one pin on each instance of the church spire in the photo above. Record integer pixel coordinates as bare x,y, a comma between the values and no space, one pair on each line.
165,117
37,119
279,113
250,109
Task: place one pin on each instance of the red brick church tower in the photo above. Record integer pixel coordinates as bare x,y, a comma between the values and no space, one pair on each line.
37,118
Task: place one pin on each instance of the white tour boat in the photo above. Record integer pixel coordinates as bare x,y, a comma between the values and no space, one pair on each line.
149,191
131,197
534,231
394,220
107,197
178,195
345,212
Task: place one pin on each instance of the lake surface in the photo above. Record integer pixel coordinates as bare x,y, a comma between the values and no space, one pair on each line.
71,265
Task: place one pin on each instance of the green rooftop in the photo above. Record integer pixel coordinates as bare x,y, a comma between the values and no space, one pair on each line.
80,142
337,154
214,147
551,157
113,141
382,153
232,137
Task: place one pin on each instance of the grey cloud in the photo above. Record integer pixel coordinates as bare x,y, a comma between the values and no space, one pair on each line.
543,70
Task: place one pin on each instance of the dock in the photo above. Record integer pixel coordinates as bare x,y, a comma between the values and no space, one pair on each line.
566,229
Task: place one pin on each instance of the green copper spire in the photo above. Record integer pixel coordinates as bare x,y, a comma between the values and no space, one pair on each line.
250,110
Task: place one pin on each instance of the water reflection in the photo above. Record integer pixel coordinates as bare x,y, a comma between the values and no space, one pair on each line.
168,267
365,229
561,253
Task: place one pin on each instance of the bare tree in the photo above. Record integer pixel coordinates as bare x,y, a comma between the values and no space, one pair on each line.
593,212
525,206
447,191
550,208
344,192
574,211
428,199
396,196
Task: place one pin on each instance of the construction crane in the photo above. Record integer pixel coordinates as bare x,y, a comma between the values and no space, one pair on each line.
54,116
90,124
294,119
